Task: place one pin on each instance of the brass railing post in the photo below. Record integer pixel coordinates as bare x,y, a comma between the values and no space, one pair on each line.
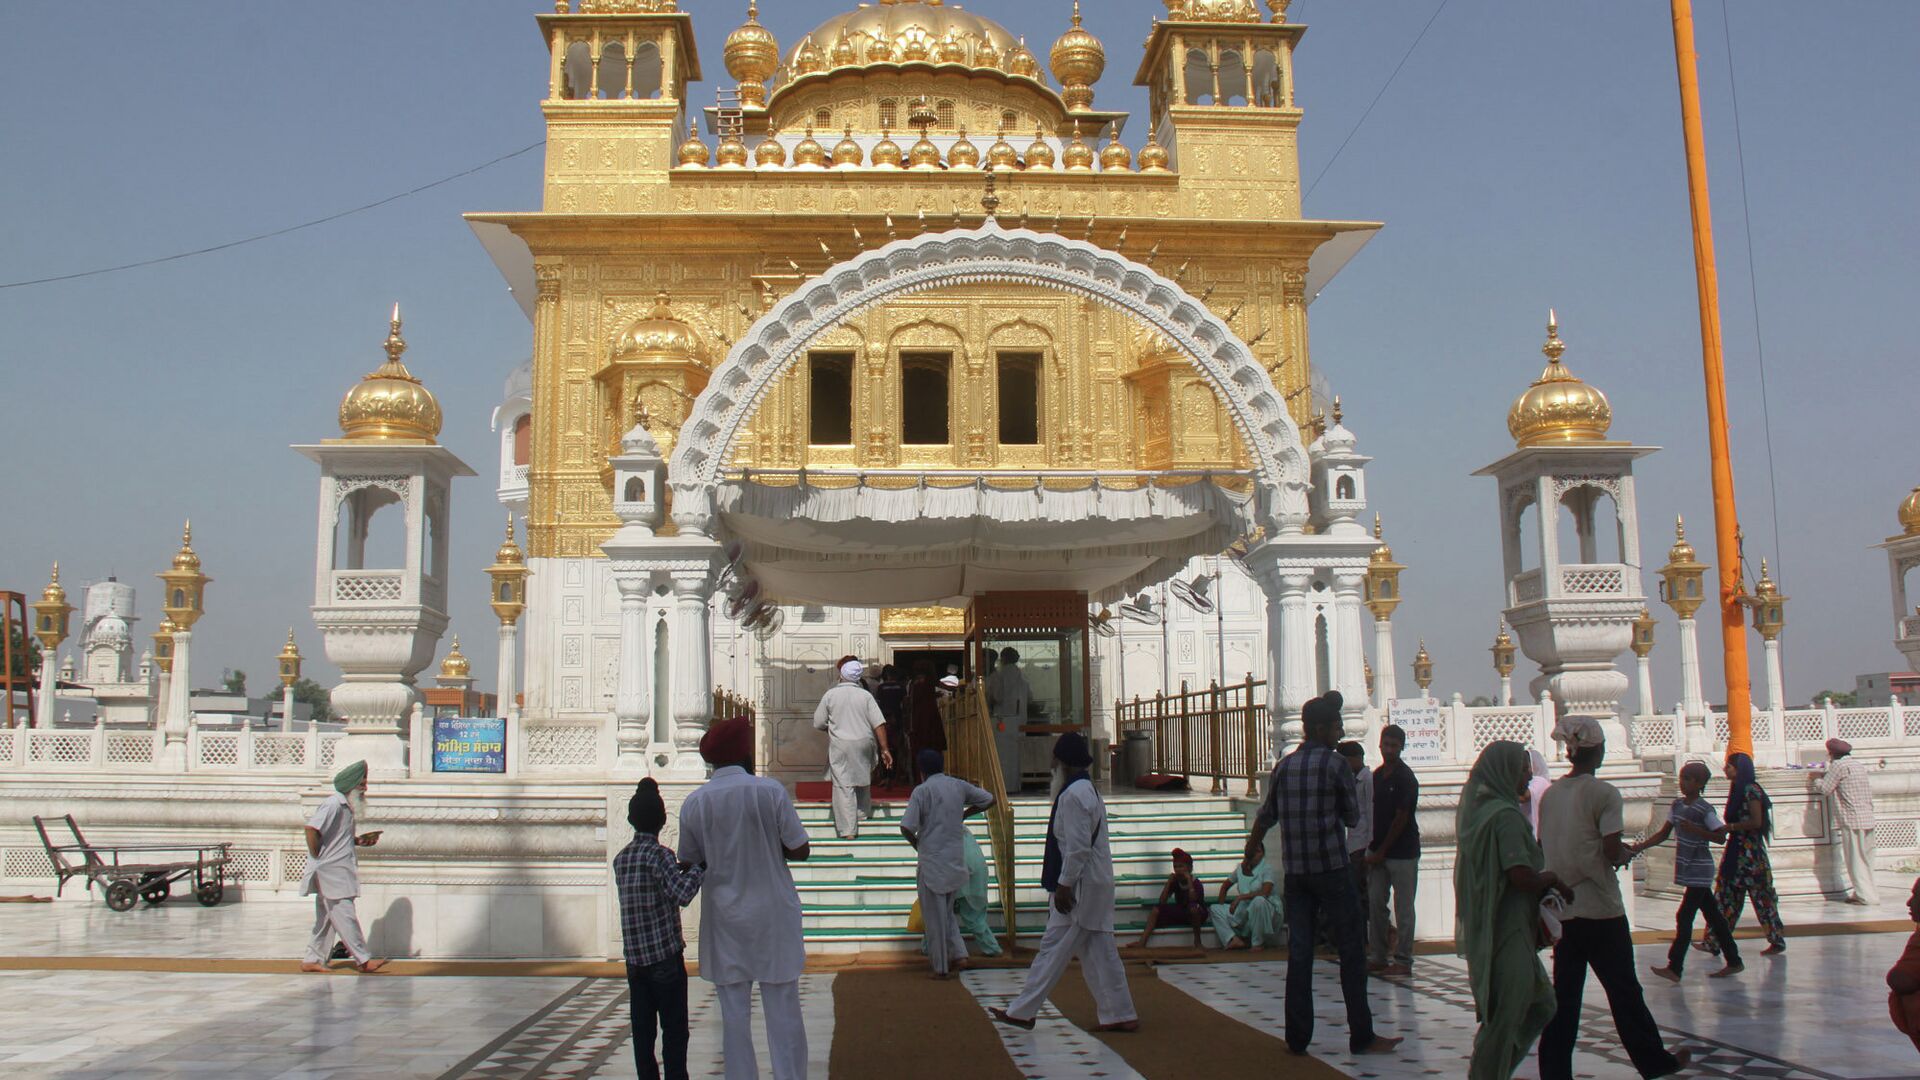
1253,752
1216,765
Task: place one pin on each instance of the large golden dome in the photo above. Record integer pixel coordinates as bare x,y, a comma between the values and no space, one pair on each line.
390,405
751,56
1078,59
1559,408
1910,513
904,31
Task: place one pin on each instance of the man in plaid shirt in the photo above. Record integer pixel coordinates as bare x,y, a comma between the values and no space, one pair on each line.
1311,797
653,888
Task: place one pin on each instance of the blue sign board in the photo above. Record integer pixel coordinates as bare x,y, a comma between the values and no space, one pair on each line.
469,745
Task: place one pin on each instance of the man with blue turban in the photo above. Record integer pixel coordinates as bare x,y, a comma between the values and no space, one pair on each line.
333,873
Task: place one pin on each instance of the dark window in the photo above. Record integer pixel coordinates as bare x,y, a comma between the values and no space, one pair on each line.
636,489
1343,488
923,398
1019,399
830,399
523,440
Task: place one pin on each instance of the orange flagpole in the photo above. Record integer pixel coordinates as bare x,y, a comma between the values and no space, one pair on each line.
1726,520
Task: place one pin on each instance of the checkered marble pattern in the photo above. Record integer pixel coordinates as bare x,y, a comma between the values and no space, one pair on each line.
1056,1046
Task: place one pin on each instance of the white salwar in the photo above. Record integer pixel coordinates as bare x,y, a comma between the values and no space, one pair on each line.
1086,866
936,815
332,878
850,716
741,827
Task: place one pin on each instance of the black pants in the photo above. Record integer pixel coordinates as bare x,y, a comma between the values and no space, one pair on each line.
1699,898
1605,945
657,992
1310,900
1359,869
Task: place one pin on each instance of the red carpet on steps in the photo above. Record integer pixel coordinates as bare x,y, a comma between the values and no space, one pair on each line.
820,791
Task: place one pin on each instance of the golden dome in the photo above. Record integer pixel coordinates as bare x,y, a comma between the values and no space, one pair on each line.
950,51
509,553
1078,156
909,31
923,154
1381,552
1002,155
848,152
658,336
844,54
732,153
1910,513
54,593
389,404
455,666
1116,157
963,154
1153,156
752,55
886,152
1022,62
806,59
1078,59
809,152
1218,10
1681,553
693,152
1558,408
186,559
770,154
986,54
1039,155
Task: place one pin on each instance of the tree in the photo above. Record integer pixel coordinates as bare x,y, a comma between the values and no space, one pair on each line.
26,655
234,681
1480,701
315,695
1842,699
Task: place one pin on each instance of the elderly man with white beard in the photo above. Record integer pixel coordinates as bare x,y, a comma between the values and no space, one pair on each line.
855,731
1078,871
333,873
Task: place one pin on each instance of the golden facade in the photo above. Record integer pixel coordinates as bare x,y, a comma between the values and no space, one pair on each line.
642,225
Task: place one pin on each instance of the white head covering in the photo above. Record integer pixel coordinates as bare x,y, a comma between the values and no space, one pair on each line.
1539,761
951,682
852,670
1579,732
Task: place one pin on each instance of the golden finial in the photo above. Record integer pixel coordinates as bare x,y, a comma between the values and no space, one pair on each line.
1554,346
395,343
1679,527
509,526
56,572
1376,526
990,202
1336,401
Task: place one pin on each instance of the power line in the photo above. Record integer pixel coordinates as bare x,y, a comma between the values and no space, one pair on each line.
1753,286
276,232
1376,98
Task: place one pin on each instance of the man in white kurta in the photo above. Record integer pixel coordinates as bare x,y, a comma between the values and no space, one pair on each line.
856,733
1080,916
745,830
1849,787
1008,698
935,824
332,877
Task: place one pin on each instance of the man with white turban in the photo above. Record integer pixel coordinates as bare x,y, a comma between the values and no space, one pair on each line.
333,873
856,731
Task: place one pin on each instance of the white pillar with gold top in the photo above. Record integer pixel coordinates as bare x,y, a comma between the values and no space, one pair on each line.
184,600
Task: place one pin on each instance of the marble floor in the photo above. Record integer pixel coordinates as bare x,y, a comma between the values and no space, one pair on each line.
1818,1013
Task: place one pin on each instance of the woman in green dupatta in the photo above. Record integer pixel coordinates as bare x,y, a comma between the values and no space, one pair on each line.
1497,882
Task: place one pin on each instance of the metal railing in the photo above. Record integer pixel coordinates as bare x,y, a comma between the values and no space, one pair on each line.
727,705
973,756
1217,732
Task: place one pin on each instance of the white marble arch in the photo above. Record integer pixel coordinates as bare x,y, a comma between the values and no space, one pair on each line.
991,253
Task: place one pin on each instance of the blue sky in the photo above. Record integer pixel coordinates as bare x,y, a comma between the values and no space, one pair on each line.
1528,155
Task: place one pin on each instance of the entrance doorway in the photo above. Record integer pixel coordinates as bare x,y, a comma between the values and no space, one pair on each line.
907,660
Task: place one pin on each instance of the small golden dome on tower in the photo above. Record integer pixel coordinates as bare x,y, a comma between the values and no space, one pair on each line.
732,153
1115,157
509,553
186,558
1002,155
659,336
807,58
923,154
1153,156
693,152
1023,62
752,55
1078,156
886,153
1558,408
1078,59
1040,155
848,152
770,154
1381,552
950,50
809,152
1682,551
455,666
389,404
1910,513
963,154
54,593
844,54
986,54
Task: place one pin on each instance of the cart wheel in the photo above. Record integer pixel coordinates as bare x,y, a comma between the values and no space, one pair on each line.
210,892
121,895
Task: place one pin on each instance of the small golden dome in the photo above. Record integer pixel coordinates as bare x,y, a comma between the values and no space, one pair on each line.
693,152
389,404
1078,59
963,154
752,55
290,651
770,154
986,54
848,152
1078,156
807,59
951,50
1115,157
1681,553
923,154
732,153
1153,156
809,152
509,553
185,559
659,336
1002,155
1910,513
844,54
1381,552
912,47
906,31
1022,62
886,153
54,593
1040,155
455,666
1558,408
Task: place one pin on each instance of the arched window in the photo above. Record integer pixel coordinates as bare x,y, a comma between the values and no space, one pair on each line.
1266,79
1199,76
1010,120
648,73
1019,398
947,115
613,71
926,392
1233,79
576,74
523,440
636,489
889,114
506,592
830,399
1343,488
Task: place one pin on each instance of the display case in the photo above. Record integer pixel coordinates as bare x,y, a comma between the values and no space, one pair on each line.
1049,633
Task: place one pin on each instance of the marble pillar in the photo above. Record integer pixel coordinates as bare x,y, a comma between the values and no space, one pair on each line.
692,669
1350,649
173,756
630,692
1385,683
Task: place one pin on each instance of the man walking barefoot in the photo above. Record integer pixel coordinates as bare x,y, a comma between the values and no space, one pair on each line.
333,873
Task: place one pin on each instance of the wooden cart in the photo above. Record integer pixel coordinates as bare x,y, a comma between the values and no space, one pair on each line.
142,876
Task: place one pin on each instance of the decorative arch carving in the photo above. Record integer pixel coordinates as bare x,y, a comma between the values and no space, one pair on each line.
929,334
995,254
1019,334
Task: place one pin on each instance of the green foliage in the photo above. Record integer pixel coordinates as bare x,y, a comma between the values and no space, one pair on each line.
315,695
234,681
1480,701
1842,699
25,653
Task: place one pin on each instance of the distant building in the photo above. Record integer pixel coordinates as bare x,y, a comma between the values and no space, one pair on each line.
1871,691
454,695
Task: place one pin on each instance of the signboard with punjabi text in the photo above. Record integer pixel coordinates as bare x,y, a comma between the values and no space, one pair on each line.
1426,729
469,744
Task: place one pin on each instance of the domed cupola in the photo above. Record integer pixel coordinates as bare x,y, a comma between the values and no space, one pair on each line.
752,55
1559,408
389,404
1078,59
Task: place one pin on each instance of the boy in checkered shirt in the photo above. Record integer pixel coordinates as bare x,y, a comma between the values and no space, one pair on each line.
653,887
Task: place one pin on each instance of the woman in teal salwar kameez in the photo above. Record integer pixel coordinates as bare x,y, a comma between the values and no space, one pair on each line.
1498,880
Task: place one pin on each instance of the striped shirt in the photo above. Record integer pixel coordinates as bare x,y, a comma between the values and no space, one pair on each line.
1850,786
1692,855
1311,798
653,888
